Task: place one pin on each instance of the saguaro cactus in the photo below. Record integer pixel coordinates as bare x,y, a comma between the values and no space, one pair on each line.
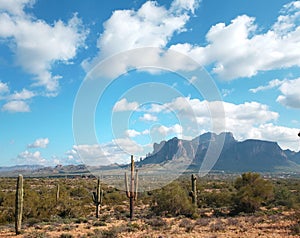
131,191
98,197
193,193
19,204
57,193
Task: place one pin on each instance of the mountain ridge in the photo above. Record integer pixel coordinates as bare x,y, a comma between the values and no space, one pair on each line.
235,156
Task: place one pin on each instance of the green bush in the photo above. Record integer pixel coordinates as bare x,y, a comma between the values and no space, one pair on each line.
252,192
172,200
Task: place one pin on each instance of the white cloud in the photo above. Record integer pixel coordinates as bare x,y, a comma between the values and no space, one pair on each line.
124,105
272,84
239,50
117,151
286,137
150,26
175,129
3,88
23,95
180,5
39,143
246,120
129,146
36,44
290,93
15,7
148,117
133,133
33,158
16,106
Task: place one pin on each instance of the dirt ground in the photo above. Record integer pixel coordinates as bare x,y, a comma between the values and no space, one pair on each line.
279,225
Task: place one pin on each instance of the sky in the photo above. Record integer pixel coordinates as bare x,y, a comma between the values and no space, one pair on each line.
95,81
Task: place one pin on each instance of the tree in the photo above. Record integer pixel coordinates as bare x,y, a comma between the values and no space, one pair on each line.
172,200
252,192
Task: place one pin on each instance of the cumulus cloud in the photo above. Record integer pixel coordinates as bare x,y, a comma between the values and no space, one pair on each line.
148,117
240,50
117,151
290,96
180,5
34,158
285,136
239,118
124,105
36,44
15,7
16,106
23,95
39,143
150,26
175,129
3,88
133,133
272,84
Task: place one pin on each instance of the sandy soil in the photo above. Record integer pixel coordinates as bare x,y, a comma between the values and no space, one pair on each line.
251,226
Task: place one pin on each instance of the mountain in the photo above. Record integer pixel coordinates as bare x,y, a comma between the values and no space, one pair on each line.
20,168
234,156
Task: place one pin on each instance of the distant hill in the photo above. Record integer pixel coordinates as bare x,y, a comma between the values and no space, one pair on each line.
236,156
176,154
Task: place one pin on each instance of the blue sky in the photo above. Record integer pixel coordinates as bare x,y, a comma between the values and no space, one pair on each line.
55,56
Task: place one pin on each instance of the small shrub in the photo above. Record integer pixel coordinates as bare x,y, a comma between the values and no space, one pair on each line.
157,223
202,222
132,227
99,223
252,192
172,200
232,221
113,232
295,229
217,226
187,224
65,235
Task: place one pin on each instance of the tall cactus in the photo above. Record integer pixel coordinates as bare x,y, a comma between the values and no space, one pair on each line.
131,191
98,197
19,204
57,193
193,193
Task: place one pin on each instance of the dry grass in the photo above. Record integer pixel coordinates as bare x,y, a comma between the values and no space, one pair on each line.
281,225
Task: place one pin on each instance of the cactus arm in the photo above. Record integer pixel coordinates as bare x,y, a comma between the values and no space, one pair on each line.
101,196
136,186
94,196
126,186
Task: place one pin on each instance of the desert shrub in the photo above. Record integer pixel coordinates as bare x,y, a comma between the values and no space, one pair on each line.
202,222
114,197
1,198
36,235
217,226
283,197
113,232
187,224
232,221
79,192
252,192
100,223
295,228
65,235
132,227
157,222
217,199
172,200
